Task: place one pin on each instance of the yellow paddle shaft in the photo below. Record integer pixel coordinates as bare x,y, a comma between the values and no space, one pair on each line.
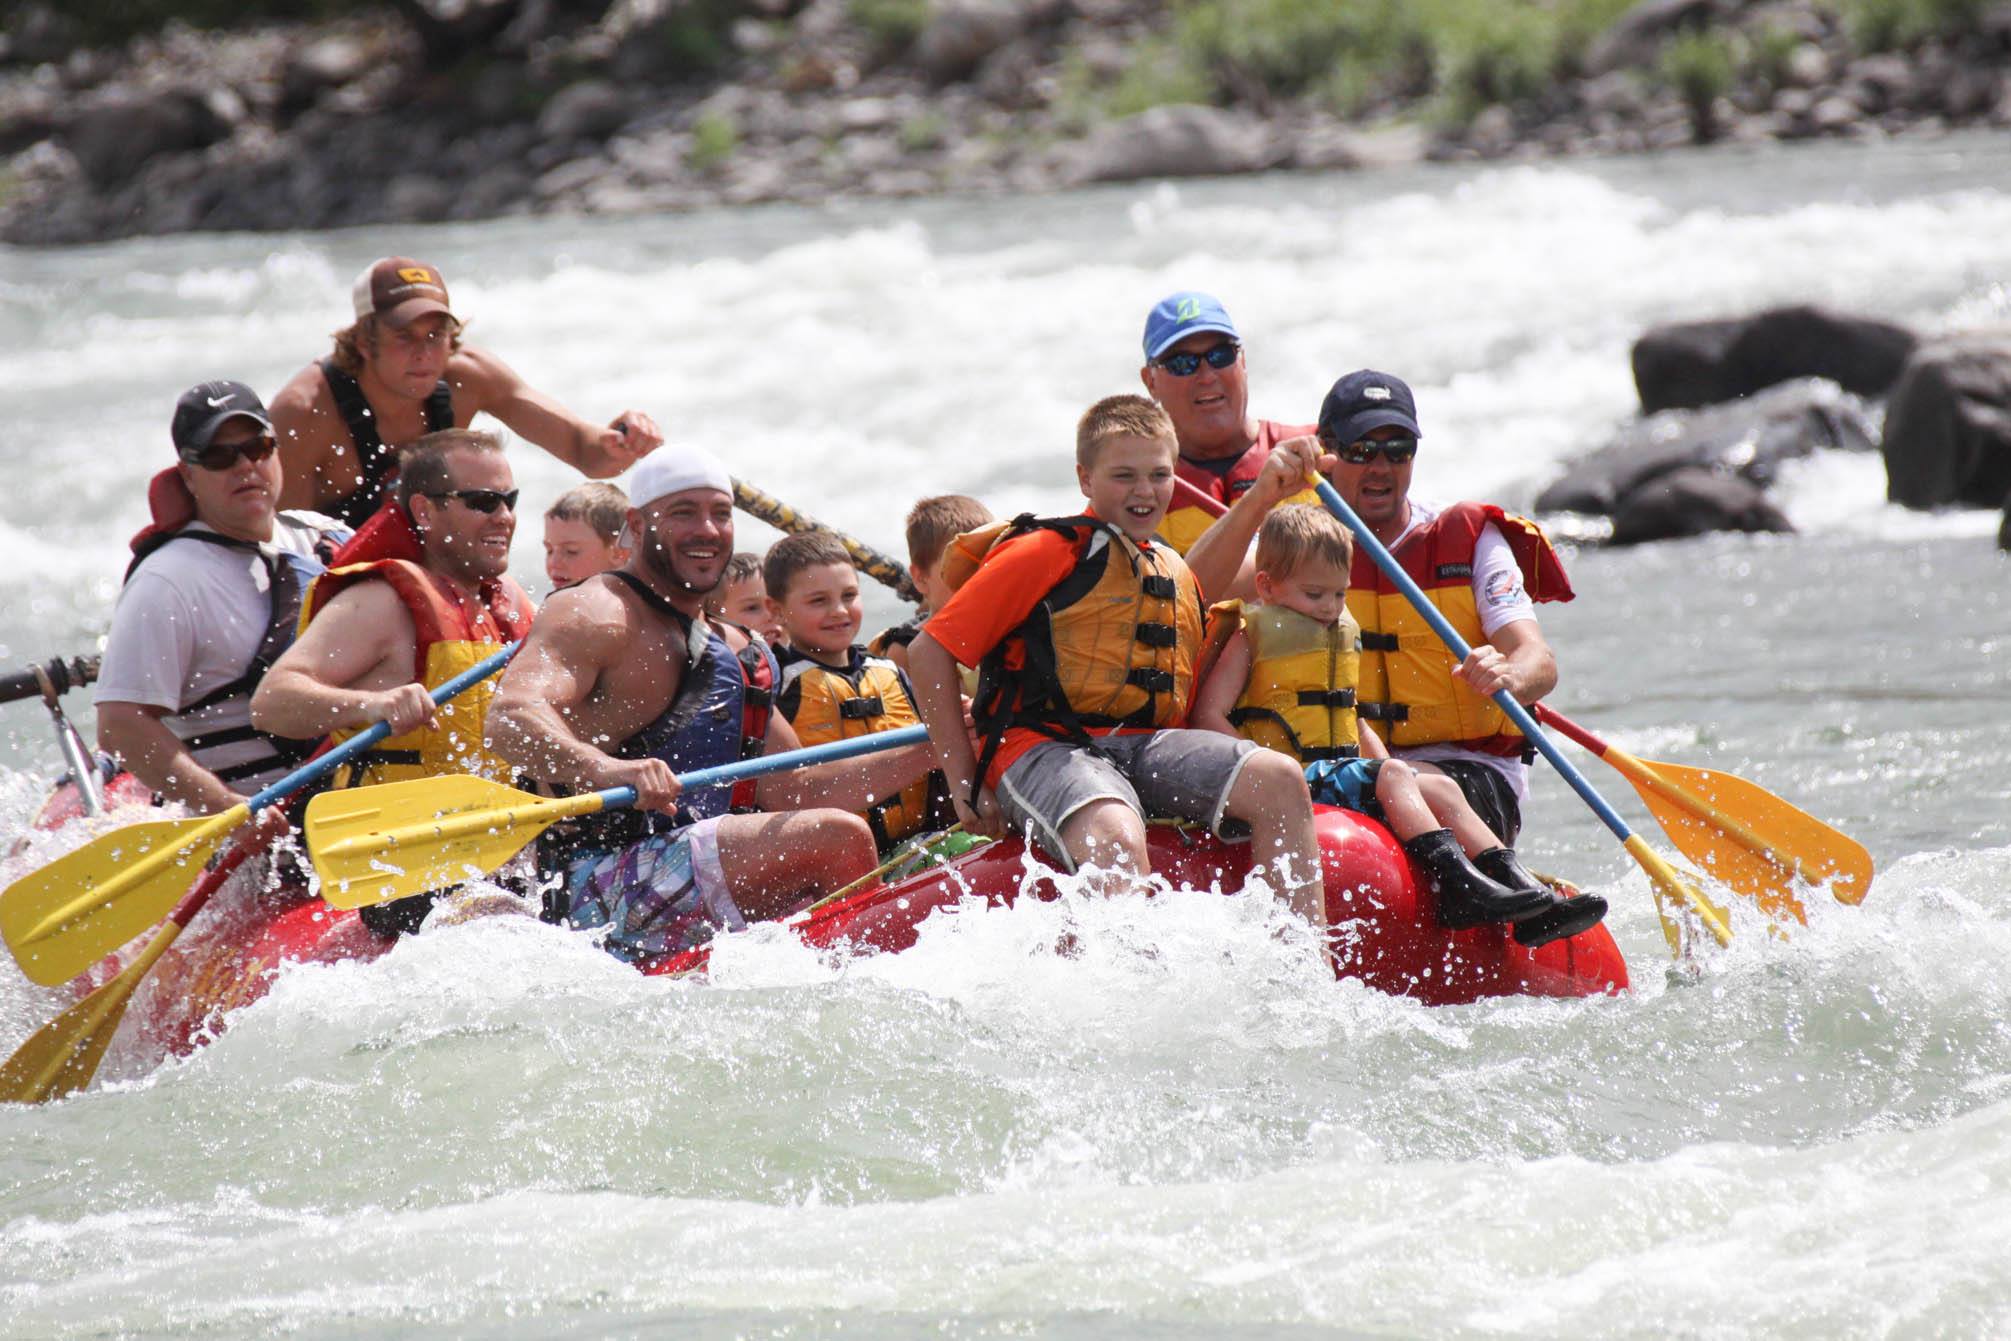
1663,879
182,851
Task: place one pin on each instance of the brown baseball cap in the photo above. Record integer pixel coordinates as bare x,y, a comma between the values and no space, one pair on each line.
400,290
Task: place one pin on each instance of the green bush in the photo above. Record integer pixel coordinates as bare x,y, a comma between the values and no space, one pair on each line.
1699,67
714,137
1886,25
890,25
1768,52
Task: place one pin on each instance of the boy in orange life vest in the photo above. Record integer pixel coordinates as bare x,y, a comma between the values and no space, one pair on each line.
831,688
1086,629
583,533
1286,678
932,524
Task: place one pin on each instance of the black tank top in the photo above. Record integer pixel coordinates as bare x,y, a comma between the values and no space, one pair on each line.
378,462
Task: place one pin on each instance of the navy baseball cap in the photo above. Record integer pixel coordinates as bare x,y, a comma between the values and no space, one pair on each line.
1179,315
204,408
1367,400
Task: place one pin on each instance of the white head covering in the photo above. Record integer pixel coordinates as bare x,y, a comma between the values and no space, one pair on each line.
671,470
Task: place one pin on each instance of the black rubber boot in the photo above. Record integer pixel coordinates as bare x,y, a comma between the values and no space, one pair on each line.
1564,917
1466,898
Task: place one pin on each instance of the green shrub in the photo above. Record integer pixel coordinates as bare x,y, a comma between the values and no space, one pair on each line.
1886,25
890,25
714,137
1768,53
923,132
1699,67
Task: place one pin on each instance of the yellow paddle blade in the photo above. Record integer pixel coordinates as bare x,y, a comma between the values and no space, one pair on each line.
374,844
1752,841
60,920
1670,888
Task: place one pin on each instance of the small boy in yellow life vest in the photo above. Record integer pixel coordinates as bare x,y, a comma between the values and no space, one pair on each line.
1285,677
932,524
832,689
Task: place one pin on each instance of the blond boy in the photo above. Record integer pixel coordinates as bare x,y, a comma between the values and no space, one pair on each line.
583,533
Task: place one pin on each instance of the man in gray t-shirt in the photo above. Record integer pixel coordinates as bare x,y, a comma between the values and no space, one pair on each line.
209,602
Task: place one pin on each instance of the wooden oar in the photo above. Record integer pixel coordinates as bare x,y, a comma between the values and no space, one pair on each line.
374,844
1738,831
62,1056
66,916
1662,878
872,562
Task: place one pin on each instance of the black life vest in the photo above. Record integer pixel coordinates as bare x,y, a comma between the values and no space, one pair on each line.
378,463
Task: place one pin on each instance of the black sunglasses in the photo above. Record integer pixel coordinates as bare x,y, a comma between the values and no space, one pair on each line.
1364,450
224,455
482,500
1185,363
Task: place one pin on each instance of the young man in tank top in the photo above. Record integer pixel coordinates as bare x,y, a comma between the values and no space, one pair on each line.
400,371
622,682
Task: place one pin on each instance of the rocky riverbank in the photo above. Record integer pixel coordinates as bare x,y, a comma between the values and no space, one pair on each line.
425,110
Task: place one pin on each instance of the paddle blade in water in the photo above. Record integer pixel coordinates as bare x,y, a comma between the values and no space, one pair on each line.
62,1056
60,920
374,844
1751,840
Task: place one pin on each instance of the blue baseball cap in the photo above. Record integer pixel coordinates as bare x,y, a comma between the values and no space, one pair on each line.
1179,315
1367,400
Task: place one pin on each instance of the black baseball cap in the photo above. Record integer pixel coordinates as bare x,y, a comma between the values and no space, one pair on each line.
1367,400
204,408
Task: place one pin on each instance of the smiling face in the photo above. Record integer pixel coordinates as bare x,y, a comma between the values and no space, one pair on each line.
1209,410
408,360
1314,588
745,602
686,538
574,552
1379,492
459,540
820,613
1130,484
238,501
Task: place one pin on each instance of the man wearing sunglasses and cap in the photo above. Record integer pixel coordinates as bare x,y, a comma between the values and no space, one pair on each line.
211,599
399,371
1194,368
1482,567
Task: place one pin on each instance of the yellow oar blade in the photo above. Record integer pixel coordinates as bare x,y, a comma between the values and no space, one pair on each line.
62,1056
374,844
1752,841
1669,888
65,917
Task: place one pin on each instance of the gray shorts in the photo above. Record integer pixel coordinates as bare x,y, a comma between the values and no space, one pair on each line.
1177,774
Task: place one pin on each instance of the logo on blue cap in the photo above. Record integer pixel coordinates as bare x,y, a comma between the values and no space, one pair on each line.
1179,315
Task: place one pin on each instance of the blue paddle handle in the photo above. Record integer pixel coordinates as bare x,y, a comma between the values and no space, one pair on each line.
357,744
614,798
1444,629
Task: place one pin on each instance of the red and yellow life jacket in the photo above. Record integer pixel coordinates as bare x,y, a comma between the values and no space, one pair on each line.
1300,697
1405,688
1185,522
450,636
869,696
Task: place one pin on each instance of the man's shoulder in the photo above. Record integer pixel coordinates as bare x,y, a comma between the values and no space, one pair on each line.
307,390
476,374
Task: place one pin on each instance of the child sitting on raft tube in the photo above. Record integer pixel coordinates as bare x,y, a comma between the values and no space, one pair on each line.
1285,677
832,688
1086,630
583,533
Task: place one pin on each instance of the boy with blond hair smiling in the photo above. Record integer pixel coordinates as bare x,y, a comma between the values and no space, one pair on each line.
1086,630
583,533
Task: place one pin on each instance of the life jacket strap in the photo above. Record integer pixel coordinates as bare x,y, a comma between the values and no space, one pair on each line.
1384,712
1158,635
1327,698
1379,642
862,709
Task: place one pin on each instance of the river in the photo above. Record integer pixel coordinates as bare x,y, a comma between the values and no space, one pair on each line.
1176,1131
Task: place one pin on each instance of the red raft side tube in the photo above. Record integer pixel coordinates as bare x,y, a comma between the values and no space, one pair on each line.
1386,935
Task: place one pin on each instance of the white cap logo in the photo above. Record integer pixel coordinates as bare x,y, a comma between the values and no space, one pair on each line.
1375,393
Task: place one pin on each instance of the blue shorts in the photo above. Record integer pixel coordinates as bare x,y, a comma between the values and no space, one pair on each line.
1347,783
661,896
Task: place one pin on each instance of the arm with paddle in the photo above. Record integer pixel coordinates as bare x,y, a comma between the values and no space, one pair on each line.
61,919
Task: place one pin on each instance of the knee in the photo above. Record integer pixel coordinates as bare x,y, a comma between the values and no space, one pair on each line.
1113,836
1271,778
844,831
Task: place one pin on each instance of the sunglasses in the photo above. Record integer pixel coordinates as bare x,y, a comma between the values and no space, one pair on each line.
1186,363
482,500
1364,450
224,455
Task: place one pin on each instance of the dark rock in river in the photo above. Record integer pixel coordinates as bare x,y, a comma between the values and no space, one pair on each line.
961,34
1747,438
113,138
1948,429
1692,500
1692,363
1178,141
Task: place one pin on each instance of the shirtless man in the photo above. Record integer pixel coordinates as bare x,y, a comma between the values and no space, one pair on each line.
623,683
400,370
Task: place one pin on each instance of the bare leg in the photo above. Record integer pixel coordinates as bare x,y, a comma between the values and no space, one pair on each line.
1404,806
1270,796
1110,835
775,863
1449,803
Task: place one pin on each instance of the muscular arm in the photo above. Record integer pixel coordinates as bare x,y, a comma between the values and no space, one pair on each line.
849,784
1225,684
599,453
156,756
530,720
351,667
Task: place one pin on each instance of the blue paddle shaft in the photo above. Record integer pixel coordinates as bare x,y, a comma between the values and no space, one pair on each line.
614,798
357,744
1446,632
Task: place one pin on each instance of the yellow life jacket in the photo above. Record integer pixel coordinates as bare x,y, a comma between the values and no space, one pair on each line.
869,696
1300,698
1406,689
450,636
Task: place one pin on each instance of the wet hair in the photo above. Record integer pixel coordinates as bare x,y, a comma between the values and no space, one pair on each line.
422,467
352,339
1297,533
794,553
738,569
600,505
1121,417
934,522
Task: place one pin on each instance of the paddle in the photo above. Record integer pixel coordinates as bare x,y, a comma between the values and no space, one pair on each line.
62,1056
782,517
1741,833
61,919
1661,877
374,844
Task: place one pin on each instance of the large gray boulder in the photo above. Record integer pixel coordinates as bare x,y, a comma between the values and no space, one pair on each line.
113,138
1693,500
1183,140
1686,364
1948,428
962,34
